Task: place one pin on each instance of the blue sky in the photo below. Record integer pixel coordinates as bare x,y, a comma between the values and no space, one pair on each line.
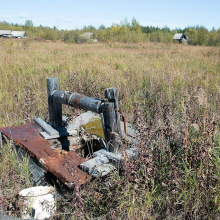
71,14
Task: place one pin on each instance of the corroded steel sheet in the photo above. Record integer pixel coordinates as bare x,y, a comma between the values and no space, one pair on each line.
62,164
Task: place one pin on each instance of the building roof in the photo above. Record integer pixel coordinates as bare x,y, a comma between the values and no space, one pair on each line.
179,36
18,34
3,32
86,35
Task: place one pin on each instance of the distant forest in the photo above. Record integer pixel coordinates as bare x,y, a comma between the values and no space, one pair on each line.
127,32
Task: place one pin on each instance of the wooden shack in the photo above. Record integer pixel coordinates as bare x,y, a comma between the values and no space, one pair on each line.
12,34
180,37
19,34
5,33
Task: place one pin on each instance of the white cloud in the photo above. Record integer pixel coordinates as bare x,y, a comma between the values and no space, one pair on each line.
67,20
22,15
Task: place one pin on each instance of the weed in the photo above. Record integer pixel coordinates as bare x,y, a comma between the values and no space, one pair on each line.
15,176
171,95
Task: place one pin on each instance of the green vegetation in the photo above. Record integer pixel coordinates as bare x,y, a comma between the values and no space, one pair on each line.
15,176
170,92
94,127
123,32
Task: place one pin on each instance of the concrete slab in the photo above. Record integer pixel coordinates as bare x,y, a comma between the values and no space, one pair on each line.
84,118
90,165
102,170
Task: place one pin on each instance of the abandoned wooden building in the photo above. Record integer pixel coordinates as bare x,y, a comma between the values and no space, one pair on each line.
180,37
5,33
88,37
12,34
19,34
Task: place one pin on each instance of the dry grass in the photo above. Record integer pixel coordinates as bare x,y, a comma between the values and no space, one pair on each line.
133,68
171,93
15,176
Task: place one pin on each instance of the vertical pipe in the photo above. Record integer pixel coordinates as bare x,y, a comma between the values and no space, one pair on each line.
110,126
104,127
112,95
54,109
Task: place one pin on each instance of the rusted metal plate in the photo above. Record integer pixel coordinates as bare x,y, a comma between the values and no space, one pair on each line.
62,164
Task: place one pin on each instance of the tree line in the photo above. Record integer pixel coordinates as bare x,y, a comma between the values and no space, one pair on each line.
127,32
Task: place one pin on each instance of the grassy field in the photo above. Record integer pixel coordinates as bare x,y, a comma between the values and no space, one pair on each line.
169,91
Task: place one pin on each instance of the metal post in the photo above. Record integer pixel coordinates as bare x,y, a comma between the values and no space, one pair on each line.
54,108
112,95
111,127
104,128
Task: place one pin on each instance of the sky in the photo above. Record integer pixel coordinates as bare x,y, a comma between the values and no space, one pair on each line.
71,14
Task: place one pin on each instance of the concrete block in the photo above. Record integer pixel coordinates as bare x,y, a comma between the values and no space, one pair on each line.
131,152
114,158
90,165
84,118
102,170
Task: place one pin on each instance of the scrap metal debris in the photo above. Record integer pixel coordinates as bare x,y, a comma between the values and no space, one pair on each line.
72,158
62,164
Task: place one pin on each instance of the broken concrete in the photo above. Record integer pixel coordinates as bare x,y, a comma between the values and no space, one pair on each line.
93,163
104,162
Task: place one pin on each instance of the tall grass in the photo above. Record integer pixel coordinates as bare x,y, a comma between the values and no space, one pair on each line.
15,176
171,94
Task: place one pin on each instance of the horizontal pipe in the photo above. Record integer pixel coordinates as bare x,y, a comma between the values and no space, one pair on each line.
77,100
